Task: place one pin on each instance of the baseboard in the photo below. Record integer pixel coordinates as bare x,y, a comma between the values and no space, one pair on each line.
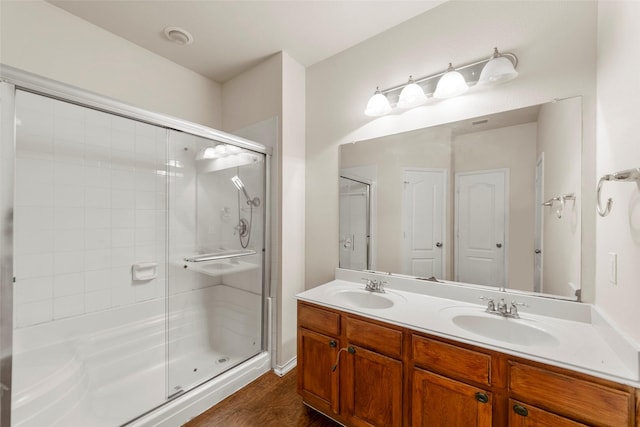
282,370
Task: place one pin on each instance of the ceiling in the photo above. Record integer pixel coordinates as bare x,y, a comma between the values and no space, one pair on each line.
232,36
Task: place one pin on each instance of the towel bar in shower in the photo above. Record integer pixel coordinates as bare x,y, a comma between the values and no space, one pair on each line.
220,255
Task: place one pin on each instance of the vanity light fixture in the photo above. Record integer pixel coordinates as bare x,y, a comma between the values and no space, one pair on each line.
378,105
412,95
497,69
451,84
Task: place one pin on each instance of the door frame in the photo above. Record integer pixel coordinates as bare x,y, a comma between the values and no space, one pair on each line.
538,285
506,246
445,242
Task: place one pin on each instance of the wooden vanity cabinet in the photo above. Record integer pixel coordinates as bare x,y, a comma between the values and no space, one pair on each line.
572,397
372,376
366,387
523,415
389,376
318,345
451,385
637,408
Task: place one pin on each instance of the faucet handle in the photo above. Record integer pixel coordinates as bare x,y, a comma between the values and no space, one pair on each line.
513,310
491,305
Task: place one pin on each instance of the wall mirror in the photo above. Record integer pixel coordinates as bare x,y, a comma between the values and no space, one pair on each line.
493,200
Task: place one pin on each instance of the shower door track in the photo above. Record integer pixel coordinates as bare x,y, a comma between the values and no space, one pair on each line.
44,86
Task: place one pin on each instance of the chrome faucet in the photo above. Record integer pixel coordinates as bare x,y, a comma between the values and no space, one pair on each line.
502,309
374,285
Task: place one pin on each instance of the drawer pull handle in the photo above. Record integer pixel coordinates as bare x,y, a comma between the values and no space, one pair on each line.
333,344
520,410
482,397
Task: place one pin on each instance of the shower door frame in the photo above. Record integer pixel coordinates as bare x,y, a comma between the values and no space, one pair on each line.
13,79
7,166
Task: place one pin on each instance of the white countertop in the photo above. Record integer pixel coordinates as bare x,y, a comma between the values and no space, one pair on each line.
584,341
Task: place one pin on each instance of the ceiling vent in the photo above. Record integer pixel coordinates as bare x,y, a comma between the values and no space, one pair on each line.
178,36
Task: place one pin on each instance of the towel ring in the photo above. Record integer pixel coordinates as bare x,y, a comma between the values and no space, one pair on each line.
607,209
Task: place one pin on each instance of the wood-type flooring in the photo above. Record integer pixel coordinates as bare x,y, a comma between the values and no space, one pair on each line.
270,401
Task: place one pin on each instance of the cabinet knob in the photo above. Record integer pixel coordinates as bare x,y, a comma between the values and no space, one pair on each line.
498,245
333,344
482,397
351,350
520,410
439,244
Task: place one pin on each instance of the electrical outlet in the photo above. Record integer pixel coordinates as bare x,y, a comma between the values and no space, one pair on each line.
613,268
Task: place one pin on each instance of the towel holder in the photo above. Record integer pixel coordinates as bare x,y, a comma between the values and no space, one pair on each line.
561,199
628,175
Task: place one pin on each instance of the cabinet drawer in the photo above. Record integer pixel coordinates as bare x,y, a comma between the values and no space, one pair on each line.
384,340
319,320
576,398
451,360
521,415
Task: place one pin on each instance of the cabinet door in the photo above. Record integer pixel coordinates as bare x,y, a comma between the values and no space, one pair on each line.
438,401
317,382
522,415
372,388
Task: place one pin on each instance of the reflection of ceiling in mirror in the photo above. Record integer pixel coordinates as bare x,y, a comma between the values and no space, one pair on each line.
495,121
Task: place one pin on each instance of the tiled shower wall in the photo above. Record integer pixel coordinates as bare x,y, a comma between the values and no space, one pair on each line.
90,203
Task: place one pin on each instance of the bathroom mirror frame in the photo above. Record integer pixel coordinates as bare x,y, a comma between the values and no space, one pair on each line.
567,203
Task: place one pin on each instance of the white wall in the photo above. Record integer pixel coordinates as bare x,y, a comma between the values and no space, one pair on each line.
559,139
38,37
276,88
555,42
619,148
89,205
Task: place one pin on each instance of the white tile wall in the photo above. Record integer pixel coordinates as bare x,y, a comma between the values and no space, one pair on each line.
89,204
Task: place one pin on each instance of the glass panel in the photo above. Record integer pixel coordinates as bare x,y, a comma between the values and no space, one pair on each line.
354,224
90,257
216,258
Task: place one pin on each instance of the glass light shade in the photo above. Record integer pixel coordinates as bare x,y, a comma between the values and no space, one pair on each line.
378,105
450,84
411,96
498,70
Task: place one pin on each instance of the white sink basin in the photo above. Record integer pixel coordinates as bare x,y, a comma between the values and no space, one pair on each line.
514,331
365,299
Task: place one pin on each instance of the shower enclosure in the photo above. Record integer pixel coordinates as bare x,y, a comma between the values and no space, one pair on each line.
134,262
355,224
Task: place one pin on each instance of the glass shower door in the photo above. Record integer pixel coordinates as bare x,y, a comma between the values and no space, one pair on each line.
354,224
89,256
216,258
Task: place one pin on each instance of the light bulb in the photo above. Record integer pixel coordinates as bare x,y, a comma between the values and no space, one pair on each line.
412,95
378,105
450,84
498,70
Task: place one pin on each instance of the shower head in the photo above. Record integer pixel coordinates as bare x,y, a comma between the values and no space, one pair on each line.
240,186
238,183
